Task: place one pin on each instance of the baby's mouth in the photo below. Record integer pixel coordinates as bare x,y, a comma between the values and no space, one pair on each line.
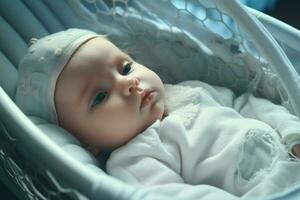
146,98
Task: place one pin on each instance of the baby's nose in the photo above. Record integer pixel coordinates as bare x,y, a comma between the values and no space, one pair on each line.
130,85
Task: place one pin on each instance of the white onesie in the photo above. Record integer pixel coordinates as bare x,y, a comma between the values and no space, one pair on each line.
211,145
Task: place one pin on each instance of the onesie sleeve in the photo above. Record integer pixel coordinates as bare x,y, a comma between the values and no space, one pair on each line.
276,116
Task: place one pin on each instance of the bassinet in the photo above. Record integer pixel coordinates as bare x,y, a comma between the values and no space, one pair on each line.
39,160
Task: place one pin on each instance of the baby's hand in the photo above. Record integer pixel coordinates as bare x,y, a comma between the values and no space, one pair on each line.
296,150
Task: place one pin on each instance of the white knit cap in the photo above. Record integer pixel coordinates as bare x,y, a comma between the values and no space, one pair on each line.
40,68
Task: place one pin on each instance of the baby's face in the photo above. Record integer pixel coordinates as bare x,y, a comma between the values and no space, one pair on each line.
105,98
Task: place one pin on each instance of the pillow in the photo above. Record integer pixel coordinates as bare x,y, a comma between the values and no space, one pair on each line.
68,143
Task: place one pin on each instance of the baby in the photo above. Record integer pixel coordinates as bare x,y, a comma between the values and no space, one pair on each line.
75,78
82,82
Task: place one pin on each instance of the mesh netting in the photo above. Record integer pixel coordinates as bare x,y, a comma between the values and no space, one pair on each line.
29,178
180,40
187,39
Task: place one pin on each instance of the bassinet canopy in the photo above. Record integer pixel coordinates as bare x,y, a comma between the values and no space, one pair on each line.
220,42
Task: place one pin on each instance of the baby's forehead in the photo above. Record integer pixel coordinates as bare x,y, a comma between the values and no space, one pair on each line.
101,44
96,49
94,57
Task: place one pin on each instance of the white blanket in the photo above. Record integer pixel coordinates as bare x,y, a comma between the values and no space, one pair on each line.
211,146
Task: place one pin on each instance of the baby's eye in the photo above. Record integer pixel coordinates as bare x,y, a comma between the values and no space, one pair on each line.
99,98
126,68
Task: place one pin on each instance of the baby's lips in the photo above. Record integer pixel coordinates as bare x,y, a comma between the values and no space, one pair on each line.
145,93
146,97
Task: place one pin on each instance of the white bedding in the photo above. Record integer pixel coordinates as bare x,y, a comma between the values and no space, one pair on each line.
211,146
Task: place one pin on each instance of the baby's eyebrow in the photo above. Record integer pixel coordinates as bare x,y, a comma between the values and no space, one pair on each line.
126,56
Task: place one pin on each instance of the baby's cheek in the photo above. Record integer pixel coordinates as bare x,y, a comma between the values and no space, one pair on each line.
158,110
